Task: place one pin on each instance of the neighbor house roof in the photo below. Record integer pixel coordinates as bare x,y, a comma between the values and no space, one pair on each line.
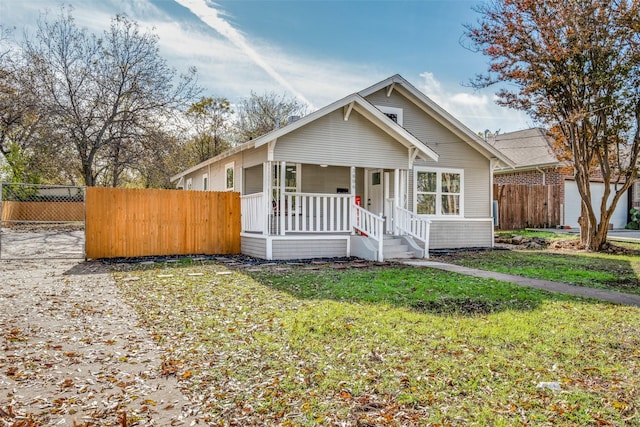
528,148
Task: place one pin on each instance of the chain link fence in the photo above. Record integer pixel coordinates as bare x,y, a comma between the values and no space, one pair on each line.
41,221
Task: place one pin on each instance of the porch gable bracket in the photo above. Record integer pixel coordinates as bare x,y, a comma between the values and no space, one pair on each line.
347,111
390,89
413,153
270,149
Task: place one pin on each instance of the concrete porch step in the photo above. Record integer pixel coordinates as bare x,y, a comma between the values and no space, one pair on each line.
395,248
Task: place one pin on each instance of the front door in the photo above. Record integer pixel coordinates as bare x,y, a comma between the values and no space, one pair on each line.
375,199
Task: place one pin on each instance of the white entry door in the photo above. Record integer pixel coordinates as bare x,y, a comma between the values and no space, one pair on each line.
375,197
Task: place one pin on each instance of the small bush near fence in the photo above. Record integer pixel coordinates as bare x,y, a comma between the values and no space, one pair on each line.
133,223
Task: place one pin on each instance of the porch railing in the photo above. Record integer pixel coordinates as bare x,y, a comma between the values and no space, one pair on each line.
312,213
407,222
254,216
370,225
326,213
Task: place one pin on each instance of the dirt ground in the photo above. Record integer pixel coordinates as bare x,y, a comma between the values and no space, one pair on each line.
73,354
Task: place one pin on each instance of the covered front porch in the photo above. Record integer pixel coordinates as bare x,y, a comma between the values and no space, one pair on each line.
293,210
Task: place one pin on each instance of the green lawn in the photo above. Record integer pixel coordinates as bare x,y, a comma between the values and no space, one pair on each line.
615,271
384,345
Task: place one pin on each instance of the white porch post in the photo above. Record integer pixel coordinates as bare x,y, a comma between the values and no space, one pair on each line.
396,197
266,189
352,190
282,209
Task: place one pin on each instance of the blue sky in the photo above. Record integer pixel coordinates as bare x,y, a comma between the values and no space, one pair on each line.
317,51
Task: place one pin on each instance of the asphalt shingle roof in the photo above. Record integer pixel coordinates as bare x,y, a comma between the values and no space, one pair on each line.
526,148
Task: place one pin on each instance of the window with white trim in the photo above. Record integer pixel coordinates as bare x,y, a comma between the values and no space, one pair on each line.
291,179
229,178
189,183
438,192
394,113
205,181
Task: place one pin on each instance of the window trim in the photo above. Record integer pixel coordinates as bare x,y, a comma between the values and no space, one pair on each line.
392,110
439,193
227,167
205,182
189,184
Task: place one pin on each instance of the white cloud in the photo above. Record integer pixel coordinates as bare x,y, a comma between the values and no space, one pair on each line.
212,17
231,64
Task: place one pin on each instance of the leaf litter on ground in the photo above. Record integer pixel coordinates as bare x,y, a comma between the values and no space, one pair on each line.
386,345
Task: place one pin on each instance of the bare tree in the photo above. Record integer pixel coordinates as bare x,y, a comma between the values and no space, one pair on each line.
260,114
210,123
574,65
103,92
166,158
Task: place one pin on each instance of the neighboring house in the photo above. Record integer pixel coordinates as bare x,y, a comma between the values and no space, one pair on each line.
536,164
379,170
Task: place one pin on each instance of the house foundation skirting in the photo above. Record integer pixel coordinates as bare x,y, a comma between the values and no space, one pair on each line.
302,246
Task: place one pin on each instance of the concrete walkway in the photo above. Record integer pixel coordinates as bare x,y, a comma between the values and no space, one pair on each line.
601,294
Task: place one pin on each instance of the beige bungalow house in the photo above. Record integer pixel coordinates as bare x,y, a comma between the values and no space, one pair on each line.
382,173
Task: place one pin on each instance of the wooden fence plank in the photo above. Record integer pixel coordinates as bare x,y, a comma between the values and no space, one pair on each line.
521,205
132,223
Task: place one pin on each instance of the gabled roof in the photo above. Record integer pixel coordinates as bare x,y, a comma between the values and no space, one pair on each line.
397,82
358,103
353,102
362,106
528,148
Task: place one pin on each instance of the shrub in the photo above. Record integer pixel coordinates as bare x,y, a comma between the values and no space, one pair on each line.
635,219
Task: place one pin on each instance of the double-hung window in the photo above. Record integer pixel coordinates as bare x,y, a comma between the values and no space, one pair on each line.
229,179
438,192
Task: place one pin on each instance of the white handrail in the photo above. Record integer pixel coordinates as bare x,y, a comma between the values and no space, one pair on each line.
407,222
370,225
253,212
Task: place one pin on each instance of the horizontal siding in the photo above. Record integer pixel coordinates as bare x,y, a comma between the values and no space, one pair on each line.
312,248
216,171
253,157
453,151
460,234
331,140
252,179
254,246
325,180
